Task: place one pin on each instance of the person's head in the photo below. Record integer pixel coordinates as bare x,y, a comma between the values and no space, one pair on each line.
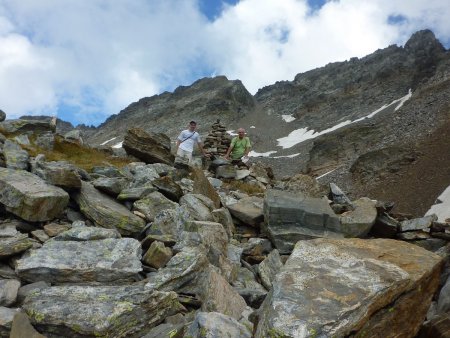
192,125
241,132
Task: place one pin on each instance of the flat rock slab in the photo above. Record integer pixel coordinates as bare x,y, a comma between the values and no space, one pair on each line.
337,288
248,210
216,325
87,234
106,212
30,197
10,246
103,261
106,311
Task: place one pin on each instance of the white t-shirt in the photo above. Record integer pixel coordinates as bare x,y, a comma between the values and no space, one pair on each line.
190,139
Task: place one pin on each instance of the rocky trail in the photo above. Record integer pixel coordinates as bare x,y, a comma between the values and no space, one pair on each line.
157,248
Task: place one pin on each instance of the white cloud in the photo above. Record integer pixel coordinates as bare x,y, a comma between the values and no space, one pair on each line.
98,56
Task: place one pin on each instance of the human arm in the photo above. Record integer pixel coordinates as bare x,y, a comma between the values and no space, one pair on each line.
248,147
177,145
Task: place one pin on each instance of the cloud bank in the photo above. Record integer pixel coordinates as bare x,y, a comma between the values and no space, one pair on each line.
86,60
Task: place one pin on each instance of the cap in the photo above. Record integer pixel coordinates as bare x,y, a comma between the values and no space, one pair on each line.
192,122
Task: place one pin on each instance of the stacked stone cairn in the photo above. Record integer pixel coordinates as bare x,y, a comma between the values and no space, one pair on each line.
218,140
149,250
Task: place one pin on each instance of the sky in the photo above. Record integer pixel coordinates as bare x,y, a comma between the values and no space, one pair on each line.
84,60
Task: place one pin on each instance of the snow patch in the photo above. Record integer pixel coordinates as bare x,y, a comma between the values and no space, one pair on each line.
118,145
300,135
266,154
252,127
231,132
288,118
287,156
442,206
325,174
108,141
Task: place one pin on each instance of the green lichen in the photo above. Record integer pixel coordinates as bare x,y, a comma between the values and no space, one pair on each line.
274,333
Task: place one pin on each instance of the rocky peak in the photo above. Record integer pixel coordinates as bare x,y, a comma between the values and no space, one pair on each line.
424,40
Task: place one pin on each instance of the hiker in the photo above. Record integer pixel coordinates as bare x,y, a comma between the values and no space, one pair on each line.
186,141
239,148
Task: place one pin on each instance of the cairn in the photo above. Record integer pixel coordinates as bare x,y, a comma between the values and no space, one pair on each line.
217,141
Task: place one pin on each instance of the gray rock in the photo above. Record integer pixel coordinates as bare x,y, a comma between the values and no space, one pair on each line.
269,268
166,330
75,136
87,234
26,289
198,206
218,296
157,255
332,287
182,274
106,212
216,325
10,246
46,141
170,222
40,235
249,210
111,185
168,188
22,139
153,204
358,222
338,196
143,175
292,217
8,230
21,327
443,305
423,223
109,171
133,194
6,320
223,217
22,126
8,291
54,229
29,197
215,182
2,115
148,147
242,173
204,187
100,261
248,287
385,226
106,311
257,247
226,171
15,156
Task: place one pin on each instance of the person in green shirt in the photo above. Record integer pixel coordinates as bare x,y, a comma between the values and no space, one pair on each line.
239,148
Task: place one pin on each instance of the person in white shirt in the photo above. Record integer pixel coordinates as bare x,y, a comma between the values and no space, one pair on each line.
186,141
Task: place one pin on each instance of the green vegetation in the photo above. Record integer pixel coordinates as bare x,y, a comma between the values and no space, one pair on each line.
248,188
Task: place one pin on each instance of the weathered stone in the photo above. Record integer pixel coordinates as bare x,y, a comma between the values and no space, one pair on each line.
168,188
26,289
218,296
148,147
187,239
204,187
46,141
157,255
2,116
257,247
223,217
385,226
358,222
153,204
413,235
216,325
356,287
218,162
22,139
109,171
8,291
269,268
443,305
21,126
110,185
133,194
293,217
21,327
338,196
106,212
215,182
6,272
10,246
100,261
62,174
226,171
259,172
167,240
304,185
423,223
247,286
8,230
75,136
183,273
106,311
431,244
6,321
242,173
40,235
248,210
170,222
166,330
437,327
15,156
29,197
87,234
54,229
198,206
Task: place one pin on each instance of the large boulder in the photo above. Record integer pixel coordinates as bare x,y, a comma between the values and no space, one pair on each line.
22,126
100,261
292,217
199,206
153,204
106,212
15,156
248,210
29,197
269,268
331,287
148,147
168,188
60,173
204,187
104,311
84,233
112,186
2,116
358,222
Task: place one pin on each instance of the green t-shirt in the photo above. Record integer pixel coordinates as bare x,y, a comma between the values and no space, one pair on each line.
239,147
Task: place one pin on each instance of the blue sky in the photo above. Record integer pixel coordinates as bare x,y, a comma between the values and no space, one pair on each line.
86,60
